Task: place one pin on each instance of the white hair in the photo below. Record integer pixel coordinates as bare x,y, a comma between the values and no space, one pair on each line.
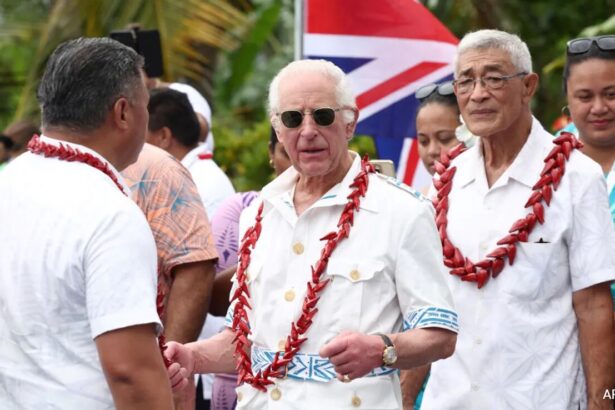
344,94
485,39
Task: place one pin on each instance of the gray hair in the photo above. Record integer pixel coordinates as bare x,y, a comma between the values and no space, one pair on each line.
485,39
343,91
83,79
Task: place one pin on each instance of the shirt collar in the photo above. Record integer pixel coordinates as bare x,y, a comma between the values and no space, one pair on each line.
193,155
283,187
525,168
84,149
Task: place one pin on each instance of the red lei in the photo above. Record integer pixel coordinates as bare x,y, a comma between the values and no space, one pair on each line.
70,154
241,324
492,265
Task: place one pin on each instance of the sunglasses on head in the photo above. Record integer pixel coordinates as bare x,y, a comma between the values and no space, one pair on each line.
443,89
322,116
583,45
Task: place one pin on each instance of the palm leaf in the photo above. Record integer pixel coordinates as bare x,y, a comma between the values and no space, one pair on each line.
192,32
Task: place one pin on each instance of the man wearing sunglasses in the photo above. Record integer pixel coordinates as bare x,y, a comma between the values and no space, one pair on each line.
535,311
385,304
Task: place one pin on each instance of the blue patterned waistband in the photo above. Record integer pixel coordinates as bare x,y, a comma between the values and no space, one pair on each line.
306,366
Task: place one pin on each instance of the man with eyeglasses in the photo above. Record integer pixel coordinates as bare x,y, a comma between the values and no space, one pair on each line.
526,234
340,281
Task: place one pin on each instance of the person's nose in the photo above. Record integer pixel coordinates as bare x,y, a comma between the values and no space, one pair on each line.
480,91
599,106
433,150
309,128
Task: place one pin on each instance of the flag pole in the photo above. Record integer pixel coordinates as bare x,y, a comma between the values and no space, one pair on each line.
299,22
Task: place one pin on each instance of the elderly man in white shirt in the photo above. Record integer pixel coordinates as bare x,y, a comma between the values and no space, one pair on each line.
526,232
78,270
376,298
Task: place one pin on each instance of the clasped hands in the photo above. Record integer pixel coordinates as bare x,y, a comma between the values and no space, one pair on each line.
352,354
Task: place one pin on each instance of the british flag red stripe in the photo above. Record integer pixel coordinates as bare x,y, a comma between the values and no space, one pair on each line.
389,49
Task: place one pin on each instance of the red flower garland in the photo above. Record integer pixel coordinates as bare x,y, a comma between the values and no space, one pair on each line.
493,264
241,324
70,154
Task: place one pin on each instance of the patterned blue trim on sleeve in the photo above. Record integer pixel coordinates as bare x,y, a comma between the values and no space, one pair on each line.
432,317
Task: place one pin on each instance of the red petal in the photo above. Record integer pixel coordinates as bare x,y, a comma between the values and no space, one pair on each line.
520,224
439,167
511,250
535,197
539,211
545,179
458,258
566,148
497,253
481,277
547,194
497,266
508,239
447,248
548,165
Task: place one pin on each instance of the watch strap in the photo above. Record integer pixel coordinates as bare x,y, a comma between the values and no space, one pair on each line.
387,340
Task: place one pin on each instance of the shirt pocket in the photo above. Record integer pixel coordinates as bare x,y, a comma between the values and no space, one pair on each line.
529,276
352,281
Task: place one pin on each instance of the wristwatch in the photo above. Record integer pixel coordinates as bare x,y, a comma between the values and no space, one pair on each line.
389,354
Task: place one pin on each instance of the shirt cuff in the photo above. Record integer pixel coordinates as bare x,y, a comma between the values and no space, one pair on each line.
432,317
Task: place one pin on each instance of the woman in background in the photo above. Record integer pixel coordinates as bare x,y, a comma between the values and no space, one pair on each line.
437,119
589,84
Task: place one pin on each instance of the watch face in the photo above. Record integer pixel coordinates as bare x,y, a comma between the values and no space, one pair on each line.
389,356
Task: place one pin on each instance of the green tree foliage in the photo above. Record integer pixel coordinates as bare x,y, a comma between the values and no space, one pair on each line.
545,25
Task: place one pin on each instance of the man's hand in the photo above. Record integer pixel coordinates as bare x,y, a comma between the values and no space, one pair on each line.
182,365
353,354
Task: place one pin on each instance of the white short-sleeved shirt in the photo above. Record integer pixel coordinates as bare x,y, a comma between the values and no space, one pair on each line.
518,346
77,260
200,106
212,183
386,277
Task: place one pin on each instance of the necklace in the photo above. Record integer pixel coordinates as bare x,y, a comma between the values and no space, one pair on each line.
493,263
67,153
241,324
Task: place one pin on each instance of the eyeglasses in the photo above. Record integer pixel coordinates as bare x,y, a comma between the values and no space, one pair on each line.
583,45
491,82
322,116
443,89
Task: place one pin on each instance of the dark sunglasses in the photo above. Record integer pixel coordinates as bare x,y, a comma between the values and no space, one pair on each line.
582,45
322,116
443,89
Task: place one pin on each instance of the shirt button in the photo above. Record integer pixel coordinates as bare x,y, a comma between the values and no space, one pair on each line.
483,247
281,345
276,394
298,248
356,401
289,296
355,275
475,387
239,396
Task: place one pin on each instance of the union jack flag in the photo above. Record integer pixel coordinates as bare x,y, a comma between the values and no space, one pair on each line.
389,49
